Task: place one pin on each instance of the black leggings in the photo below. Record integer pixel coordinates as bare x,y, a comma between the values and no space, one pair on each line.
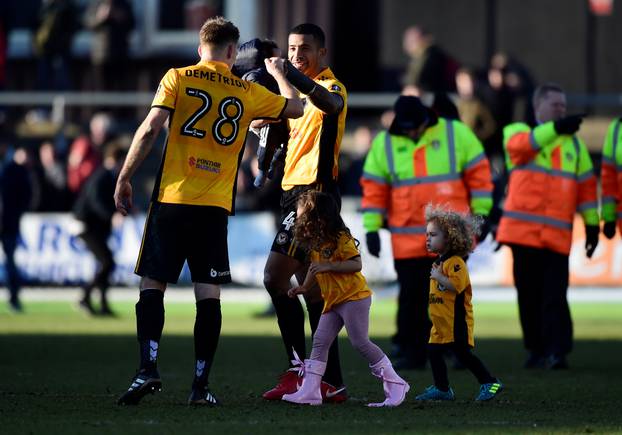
463,353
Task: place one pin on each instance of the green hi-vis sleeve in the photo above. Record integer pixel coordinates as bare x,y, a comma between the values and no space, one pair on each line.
590,216
481,205
372,221
543,134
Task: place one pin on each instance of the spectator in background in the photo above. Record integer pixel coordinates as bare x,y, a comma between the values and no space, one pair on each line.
57,23
444,106
85,151
95,209
351,163
51,176
430,69
3,53
474,112
519,81
111,22
16,190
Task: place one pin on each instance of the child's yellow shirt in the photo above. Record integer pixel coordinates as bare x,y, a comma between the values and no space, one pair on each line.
340,287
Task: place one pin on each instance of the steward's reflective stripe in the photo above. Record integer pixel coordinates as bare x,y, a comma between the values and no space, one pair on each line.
408,230
373,210
452,145
474,161
481,194
532,167
388,148
587,205
534,143
538,219
425,180
585,176
616,130
375,178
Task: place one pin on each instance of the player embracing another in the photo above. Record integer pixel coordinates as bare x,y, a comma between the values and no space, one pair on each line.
208,111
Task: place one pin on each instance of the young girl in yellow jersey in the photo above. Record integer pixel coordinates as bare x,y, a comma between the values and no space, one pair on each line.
335,267
451,235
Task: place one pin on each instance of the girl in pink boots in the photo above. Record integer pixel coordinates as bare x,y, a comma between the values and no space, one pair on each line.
336,268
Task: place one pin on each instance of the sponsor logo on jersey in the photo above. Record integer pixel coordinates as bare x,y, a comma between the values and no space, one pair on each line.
204,164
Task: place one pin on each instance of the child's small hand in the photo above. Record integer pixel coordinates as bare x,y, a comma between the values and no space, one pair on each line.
294,291
316,268
436,272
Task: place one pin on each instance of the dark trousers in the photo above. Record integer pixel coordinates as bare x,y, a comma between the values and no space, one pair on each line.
464,356
13,279
97,242
413,322
541,280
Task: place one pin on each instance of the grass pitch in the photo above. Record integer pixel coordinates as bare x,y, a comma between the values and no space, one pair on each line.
61,372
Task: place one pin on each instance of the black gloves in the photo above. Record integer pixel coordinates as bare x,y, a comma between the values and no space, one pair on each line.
569,124
609,229
373,243
591,239
484,228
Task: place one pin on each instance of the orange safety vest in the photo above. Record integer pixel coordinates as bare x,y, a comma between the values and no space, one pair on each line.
447,166
551,178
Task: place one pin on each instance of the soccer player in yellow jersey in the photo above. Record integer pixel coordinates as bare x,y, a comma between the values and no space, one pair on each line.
310,164
208,111
336,268
451,235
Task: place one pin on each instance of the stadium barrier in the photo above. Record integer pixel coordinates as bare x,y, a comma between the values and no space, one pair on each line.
51,253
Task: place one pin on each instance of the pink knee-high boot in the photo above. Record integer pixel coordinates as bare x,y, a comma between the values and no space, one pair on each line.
395,388
309,392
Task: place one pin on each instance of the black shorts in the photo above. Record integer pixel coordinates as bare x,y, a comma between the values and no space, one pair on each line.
175,233
284,242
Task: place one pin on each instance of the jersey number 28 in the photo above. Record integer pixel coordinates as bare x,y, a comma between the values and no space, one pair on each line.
188,128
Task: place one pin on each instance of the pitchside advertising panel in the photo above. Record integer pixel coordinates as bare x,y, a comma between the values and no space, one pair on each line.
51,253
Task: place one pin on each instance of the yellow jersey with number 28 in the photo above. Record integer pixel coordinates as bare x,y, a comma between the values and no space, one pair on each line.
211,110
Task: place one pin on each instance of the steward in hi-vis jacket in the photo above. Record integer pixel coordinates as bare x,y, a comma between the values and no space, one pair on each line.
611,179
422,159
551,179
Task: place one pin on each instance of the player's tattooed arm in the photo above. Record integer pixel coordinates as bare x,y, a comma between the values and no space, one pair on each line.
328,102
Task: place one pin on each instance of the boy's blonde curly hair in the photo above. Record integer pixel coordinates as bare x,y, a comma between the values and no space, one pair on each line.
460,230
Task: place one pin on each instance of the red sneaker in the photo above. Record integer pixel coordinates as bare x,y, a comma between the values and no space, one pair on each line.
331,394
289,382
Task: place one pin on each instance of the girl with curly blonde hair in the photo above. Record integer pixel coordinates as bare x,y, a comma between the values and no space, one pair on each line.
451,236
335,265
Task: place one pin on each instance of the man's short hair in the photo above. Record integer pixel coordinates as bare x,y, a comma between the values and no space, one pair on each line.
310,29
219,32
542,92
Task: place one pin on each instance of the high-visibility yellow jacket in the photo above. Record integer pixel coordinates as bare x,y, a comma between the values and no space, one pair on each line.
551,178
400,177
611,174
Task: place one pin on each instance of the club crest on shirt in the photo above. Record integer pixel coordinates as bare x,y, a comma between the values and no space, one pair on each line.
436,144
281,238
456,267
569,156
327,252
335,88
